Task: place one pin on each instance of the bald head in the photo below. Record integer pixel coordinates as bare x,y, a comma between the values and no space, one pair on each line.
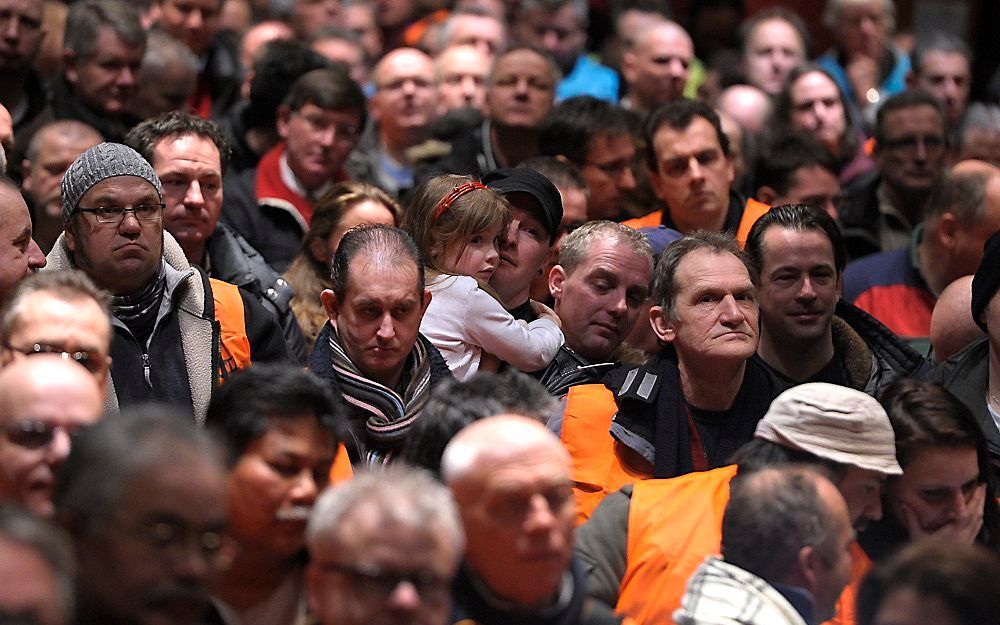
748,105
496,441
655,67
952,325
43,399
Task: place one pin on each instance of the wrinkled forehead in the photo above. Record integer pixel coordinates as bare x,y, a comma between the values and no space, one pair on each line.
120,190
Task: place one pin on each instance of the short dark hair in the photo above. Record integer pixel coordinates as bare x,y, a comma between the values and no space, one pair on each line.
390,245
331,89
800,217
571,125
771,515
279,64
678,115
784,156
937,41
456,404
911,98
175,124
665,286
85,20
759,453
242,409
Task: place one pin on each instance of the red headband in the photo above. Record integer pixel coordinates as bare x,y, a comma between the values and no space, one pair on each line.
456,192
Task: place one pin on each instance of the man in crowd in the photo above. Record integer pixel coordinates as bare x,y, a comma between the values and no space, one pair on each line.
693,404
837,430
460,76
44,400
786,542
371,353
560,28
655,66
599,287
22,89
899,287
773,42
36,570
52,150
799,253
144,499
691,171
319,122
942,66
399,522
176,332
402,110
197,24
882,208
308,17
480,30
520,92
594,136
19,254
167,78
190,156
59,312
797,169
511,481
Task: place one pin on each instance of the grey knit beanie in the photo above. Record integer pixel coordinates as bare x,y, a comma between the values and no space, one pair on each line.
103,161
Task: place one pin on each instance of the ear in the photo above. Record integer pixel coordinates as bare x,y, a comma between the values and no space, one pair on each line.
911,79
426,302
283,119
730,169
947,230
69,66
664,328
656,182
70,234
766,195
628,66
330,304
557,277
810,566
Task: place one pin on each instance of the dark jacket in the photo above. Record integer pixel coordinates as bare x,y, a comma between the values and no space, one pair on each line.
967,376
859,216
569,369
233,260
222,74
321,364
889,357
471,154
470,606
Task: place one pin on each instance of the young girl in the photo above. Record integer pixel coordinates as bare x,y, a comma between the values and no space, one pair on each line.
457,222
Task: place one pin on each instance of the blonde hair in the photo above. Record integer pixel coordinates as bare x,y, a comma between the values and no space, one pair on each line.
472,212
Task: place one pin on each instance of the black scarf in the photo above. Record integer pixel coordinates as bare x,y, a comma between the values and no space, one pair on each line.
138,310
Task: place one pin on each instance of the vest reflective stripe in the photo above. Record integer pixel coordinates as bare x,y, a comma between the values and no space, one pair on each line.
673,524
597,467
234,346
752,211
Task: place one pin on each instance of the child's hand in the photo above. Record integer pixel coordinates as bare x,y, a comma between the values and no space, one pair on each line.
544,312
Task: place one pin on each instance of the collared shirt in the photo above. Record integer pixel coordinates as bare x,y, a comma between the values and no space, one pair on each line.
894,228
288,177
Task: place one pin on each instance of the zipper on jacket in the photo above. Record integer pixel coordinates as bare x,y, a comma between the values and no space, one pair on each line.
145,369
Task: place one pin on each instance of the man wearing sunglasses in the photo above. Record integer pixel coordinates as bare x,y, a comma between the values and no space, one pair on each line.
177,333
44,401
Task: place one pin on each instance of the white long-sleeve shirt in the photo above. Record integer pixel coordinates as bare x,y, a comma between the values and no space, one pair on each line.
462,320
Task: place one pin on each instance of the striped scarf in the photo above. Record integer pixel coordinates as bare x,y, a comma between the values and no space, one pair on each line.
390,414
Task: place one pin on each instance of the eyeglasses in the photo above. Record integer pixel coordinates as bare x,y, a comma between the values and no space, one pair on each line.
115,214
378,584
909,144
344,133
33,434
85,359
172,539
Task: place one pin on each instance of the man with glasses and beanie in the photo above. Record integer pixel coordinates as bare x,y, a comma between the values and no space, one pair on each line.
44,401
176,333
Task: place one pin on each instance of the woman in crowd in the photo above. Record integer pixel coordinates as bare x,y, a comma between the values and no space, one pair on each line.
343,207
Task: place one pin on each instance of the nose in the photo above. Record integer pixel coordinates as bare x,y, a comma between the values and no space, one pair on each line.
730,313
195,19
697,173
619,305
468,88
404,598
36,259
493,256
386,331
808,290
191,563
873,507
12,29
194,197
550,41
510,236
126,77
541,517
626,180
304,490
129,224
957,506
921,153
57,451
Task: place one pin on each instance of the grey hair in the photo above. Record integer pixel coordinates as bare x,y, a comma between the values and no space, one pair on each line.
161,49
831,14
771,515
401,495
85,20
447,29
981,115
21,527
554,70
71,285
70,129
961,194
576,246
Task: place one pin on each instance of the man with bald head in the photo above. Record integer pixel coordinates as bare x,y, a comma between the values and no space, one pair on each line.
952,325
655,67
460,78
774,41
44,399
511,480
899,287
748,105
403,109
19,254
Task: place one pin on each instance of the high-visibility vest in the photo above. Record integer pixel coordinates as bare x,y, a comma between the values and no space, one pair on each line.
752,211
234,346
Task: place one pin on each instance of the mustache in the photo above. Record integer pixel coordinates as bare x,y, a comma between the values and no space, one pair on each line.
295,513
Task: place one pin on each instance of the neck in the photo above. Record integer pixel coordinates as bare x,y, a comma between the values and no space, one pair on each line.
711,223
396,146
931,265
711,386
194,251
511,145
512,298
253,577
797,360
909,203
261,140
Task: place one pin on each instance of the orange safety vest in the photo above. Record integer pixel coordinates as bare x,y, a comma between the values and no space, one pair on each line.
234,346
598,469
752,211
673,525
341,470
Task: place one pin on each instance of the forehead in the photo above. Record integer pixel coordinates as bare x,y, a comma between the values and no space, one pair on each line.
792,244
404,63
349,116
463,59
481,25
54,144
192,490
666,39
699,135
44,313
813,85
942,61
29,8
615,257
122,189
195,4
602,143
520,63
13,210
396,278
922,116
190,147
775,31
522,470
704,268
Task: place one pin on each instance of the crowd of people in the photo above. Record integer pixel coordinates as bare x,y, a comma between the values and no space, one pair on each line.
542,312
